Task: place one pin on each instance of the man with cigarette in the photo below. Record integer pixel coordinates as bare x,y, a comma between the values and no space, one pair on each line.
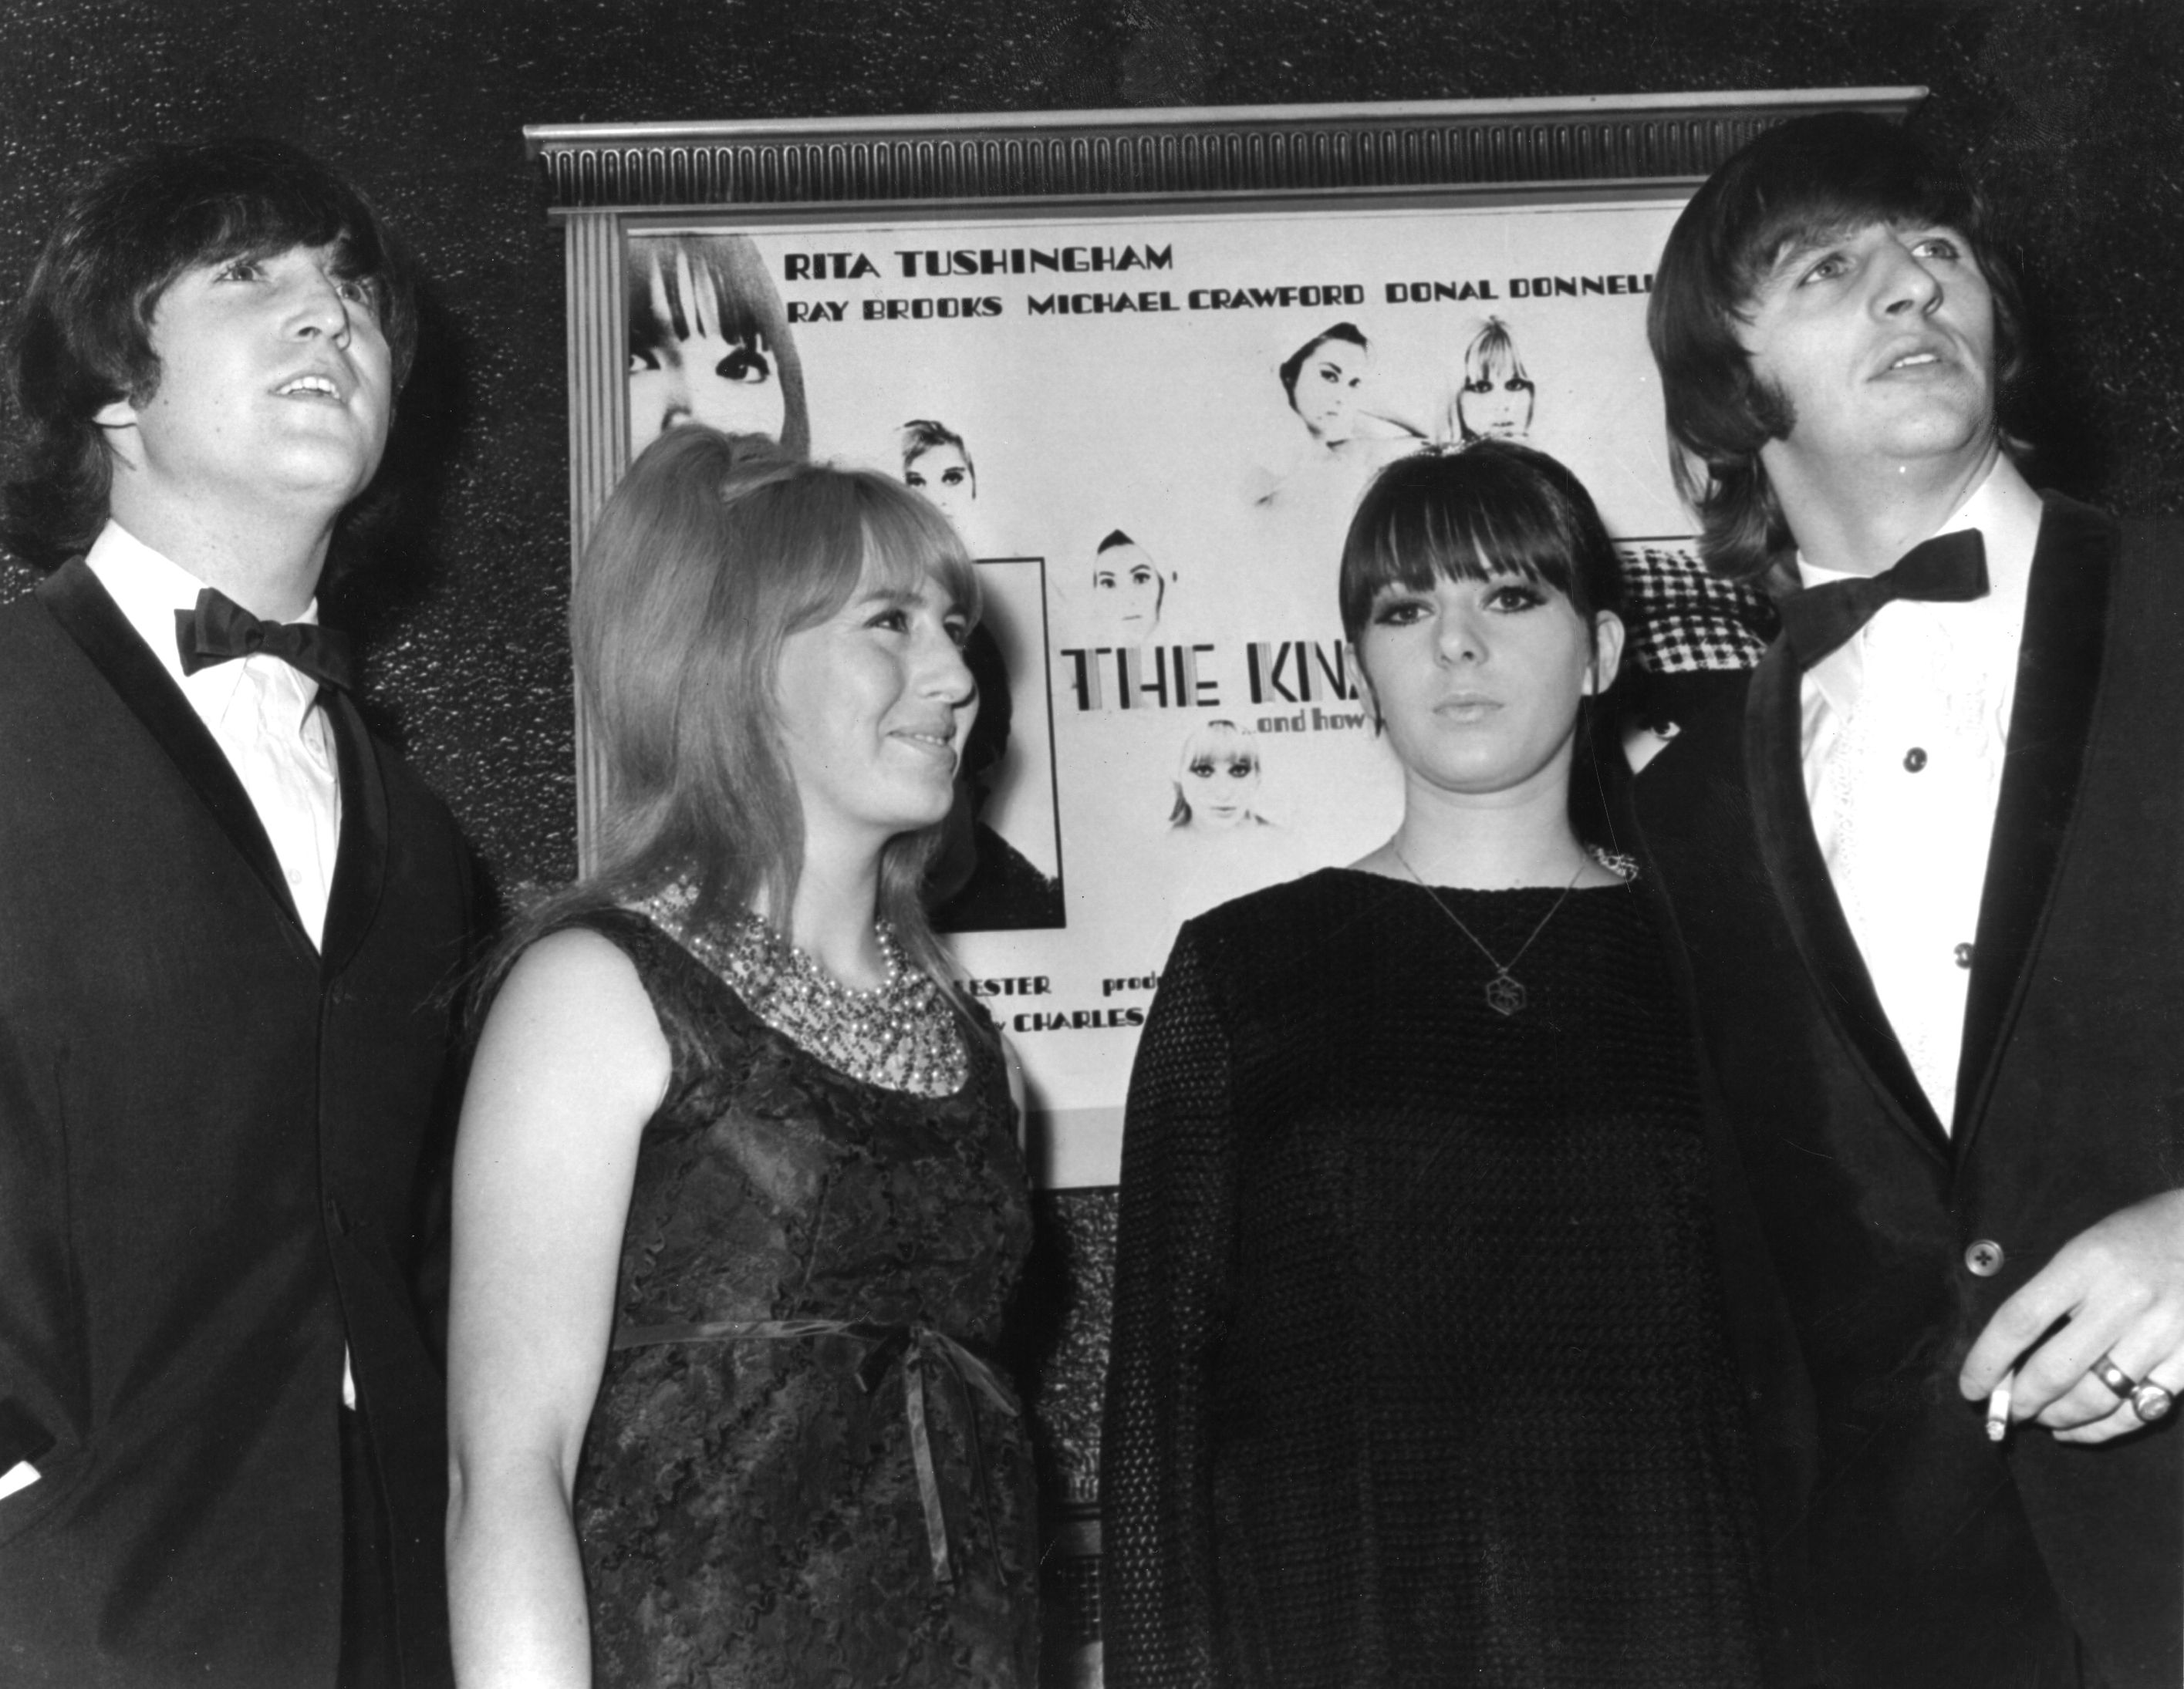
228,913
1928,865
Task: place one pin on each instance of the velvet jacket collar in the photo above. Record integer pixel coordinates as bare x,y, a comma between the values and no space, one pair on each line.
89,616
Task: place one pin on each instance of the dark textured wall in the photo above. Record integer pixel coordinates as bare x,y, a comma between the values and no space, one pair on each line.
2072,113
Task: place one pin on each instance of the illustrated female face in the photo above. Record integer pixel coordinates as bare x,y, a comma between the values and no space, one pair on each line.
1220,783
1127,589
1495,403
875,706
1478,681
942,475
1325,395
694,370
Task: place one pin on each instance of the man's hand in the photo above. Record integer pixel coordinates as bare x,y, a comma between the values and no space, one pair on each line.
2120,1284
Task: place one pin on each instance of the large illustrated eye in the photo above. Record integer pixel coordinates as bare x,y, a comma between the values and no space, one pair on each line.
744,364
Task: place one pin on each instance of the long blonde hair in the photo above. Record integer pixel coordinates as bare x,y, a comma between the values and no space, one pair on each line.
710,552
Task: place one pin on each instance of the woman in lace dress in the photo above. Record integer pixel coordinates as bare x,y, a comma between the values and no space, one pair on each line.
739,1199
1419,1373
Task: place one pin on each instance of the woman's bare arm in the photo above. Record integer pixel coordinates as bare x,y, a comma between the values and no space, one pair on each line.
570,1066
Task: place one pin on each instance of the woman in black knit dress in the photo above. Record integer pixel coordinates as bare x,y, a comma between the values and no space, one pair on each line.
1419,1373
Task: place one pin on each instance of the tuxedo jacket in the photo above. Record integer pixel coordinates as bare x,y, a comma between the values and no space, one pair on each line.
211,1136
1936,1558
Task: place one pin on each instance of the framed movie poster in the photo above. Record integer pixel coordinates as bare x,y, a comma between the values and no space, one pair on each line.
1146,362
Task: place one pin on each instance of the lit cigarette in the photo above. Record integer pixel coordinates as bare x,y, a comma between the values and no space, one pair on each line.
1998,1410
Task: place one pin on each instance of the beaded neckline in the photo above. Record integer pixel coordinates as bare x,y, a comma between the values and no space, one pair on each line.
901,1035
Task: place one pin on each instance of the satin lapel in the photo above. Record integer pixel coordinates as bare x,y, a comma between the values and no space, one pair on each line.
1774,768
90,618
360,868
2058,669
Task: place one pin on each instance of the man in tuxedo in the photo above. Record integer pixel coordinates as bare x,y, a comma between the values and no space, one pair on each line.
1928,865
228,917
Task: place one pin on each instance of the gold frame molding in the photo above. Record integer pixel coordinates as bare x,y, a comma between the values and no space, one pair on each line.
1195,151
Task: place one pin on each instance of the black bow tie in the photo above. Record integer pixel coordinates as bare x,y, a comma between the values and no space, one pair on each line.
1950,569
220,628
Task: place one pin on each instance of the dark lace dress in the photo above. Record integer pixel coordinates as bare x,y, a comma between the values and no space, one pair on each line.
749,1505
1419,1374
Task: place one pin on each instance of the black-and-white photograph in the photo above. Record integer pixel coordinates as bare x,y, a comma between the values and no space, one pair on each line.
1079,845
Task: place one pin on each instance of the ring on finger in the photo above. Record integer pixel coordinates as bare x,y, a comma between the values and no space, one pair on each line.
2151,1402
2120,1383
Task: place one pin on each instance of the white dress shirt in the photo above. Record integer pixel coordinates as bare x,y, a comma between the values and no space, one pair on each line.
258,710
1905,728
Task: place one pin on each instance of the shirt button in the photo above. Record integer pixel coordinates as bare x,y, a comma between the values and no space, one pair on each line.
1964,955
1984,1258
1915,760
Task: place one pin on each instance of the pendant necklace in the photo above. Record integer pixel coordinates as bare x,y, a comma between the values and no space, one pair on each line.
1505,992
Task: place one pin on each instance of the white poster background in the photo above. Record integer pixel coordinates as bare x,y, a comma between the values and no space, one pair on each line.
1104,379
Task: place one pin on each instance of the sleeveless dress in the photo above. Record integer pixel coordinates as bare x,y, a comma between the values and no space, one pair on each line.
754,1505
